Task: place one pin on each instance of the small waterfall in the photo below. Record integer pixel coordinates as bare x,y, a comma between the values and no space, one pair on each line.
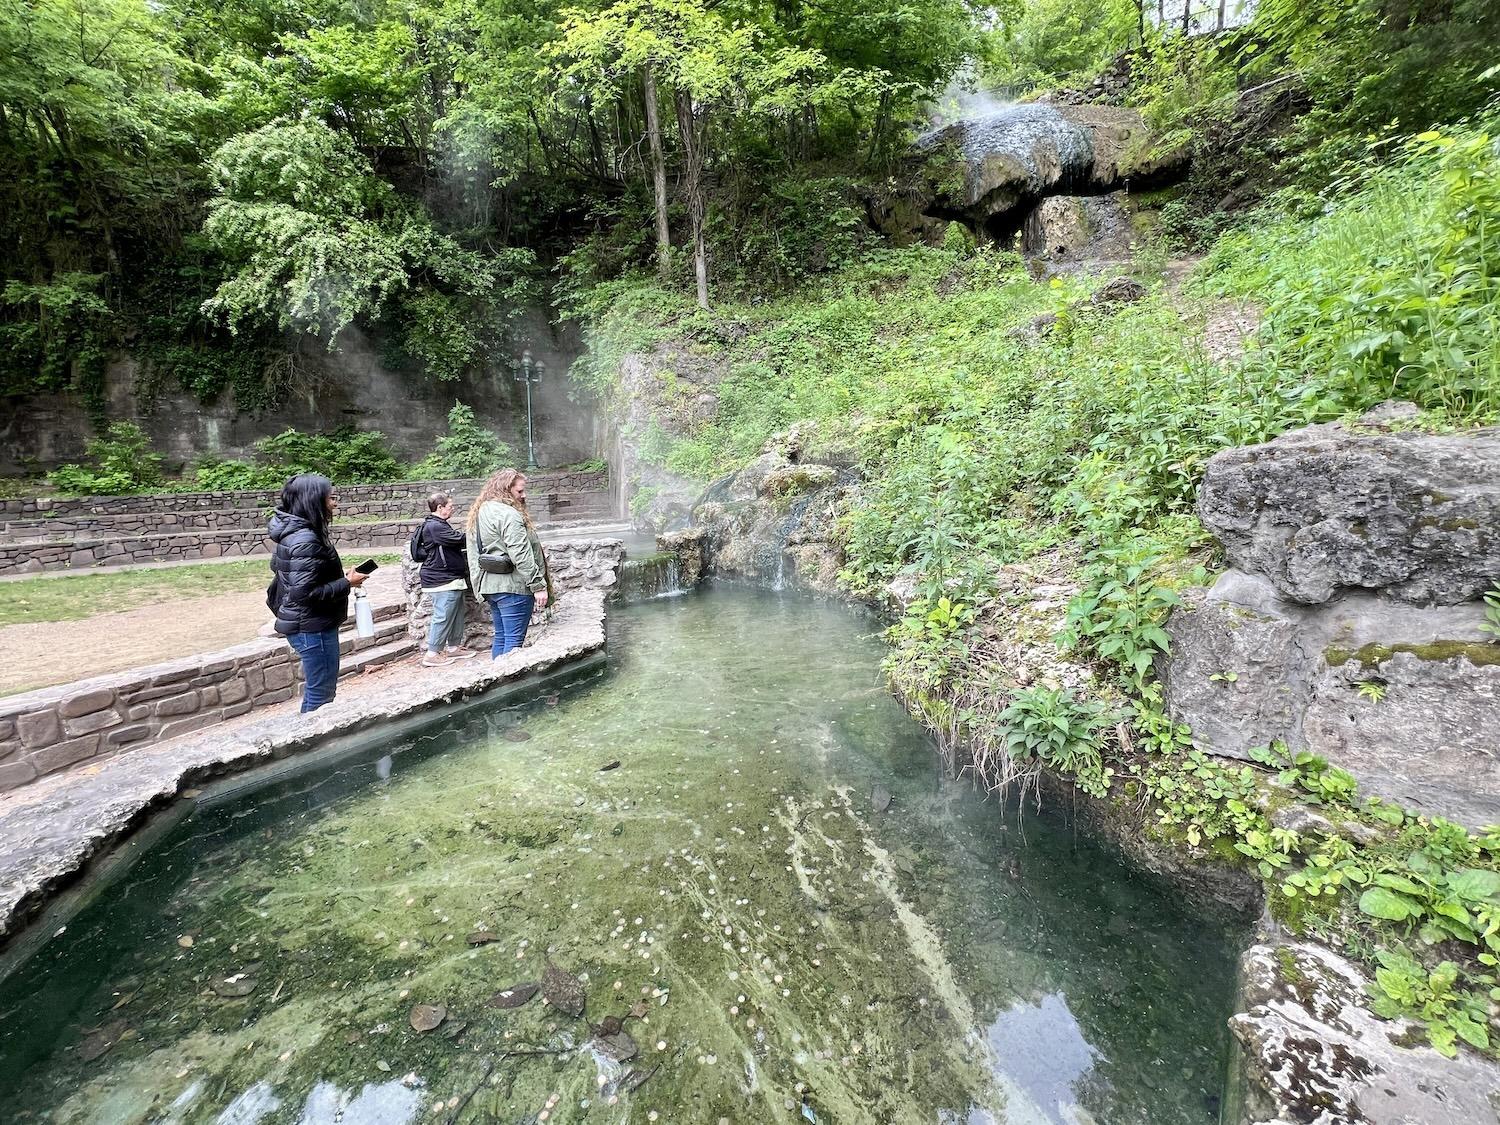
784,533
654,576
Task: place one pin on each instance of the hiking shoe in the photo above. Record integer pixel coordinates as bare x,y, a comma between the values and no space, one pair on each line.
435,660
453,653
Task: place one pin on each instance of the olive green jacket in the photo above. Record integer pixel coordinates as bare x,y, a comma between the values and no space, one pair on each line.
500,525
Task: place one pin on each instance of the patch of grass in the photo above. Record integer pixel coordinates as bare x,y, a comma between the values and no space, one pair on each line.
75,597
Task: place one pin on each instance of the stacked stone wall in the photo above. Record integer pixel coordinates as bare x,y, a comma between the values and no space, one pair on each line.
541,482
55,728
123,531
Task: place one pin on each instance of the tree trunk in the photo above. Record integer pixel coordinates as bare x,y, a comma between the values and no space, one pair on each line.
658,176
1223,13
693,153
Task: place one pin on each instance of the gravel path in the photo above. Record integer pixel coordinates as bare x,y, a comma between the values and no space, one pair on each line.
55,652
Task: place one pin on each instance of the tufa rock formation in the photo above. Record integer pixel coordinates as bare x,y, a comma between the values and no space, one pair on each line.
1351,622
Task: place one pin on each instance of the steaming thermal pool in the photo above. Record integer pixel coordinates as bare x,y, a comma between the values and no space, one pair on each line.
776,947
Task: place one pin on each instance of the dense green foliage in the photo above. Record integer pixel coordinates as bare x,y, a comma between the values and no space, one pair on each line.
205,184
468,450
122,461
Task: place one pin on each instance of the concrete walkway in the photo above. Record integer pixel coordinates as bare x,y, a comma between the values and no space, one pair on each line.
53,829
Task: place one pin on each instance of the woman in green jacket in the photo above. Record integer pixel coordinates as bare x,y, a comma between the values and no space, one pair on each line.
498,521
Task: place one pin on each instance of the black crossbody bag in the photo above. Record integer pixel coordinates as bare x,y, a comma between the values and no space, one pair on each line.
494,562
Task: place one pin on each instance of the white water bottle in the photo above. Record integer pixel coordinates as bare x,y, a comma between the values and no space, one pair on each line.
364,616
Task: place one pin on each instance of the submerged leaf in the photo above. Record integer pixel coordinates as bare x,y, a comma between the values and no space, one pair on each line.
516,734
99,1043
514,996
425,1017
880,797
618,1047
563,990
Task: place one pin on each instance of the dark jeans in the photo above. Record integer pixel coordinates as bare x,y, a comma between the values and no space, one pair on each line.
511,614
320,666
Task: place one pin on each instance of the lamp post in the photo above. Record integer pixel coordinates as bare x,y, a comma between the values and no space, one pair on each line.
528,372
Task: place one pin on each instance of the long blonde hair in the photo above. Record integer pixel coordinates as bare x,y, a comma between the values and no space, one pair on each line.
500,488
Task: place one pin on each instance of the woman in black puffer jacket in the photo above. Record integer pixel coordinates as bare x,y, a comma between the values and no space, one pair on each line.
309,591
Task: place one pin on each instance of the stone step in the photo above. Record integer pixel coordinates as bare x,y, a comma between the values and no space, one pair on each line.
387,653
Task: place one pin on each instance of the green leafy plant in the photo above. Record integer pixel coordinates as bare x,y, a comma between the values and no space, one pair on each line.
1402,987
1119,619
466,450
1052,726
1491,623
122,462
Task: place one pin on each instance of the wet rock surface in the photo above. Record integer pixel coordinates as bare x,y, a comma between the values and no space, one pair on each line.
1310,1051
771,522
671,390
1331,508
1012,158
55,827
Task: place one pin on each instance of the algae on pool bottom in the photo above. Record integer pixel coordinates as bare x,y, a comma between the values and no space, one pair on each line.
772,945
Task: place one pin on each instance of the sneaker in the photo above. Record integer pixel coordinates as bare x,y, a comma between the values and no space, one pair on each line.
435,660
453,653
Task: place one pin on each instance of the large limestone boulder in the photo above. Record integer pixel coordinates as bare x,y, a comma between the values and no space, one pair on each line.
992,168
1311,1051
1406,698
1331,508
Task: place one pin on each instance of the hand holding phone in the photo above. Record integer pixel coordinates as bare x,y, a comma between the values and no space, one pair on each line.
369,566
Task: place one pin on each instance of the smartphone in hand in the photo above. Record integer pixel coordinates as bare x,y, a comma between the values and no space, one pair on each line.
369,566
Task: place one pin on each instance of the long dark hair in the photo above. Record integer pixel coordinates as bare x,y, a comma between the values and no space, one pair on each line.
500,488
307,495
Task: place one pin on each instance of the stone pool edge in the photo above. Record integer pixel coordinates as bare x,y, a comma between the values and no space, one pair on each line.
54,836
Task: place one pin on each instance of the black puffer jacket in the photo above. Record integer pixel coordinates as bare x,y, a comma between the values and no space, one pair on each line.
308,592
445,561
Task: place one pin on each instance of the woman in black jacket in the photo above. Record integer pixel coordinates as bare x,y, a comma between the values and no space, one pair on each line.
309,592
445,579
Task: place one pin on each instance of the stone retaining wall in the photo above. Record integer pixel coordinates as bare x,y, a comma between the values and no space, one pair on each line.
51,729
576,564
540,482
132,550
125,538
598,504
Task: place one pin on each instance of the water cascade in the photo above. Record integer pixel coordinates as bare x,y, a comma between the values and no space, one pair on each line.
657,575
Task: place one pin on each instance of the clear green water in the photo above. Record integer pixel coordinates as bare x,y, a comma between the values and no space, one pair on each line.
796,952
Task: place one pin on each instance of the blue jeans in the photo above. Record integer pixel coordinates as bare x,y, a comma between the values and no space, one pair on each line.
511,614
448,616
319,653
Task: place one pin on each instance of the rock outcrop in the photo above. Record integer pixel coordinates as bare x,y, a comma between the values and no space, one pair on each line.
771,522
1322,635
1407,699
1312,1052
668,392
1331,508
991,170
